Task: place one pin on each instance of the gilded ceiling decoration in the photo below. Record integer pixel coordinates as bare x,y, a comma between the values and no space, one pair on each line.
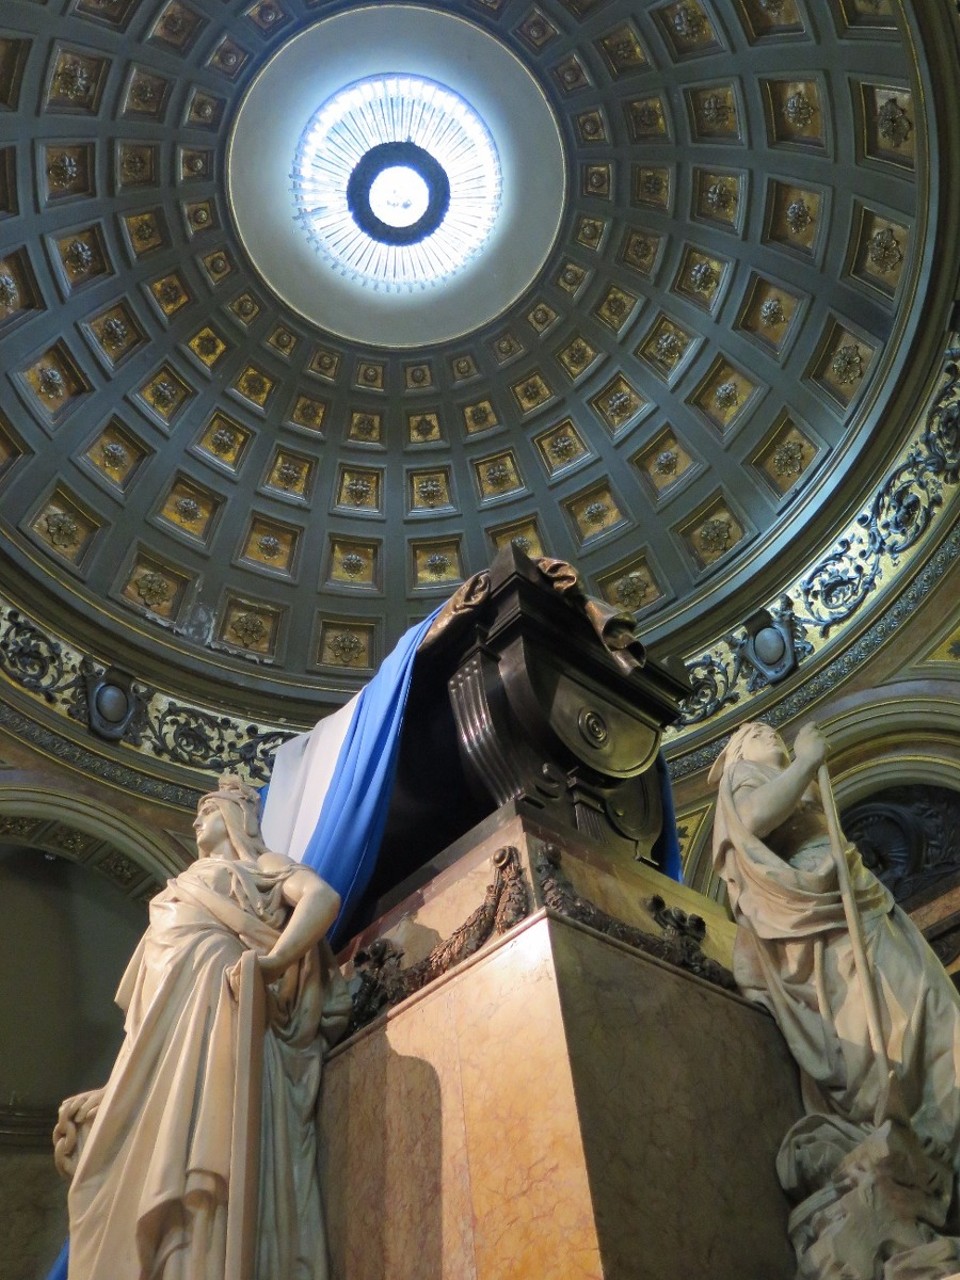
720,350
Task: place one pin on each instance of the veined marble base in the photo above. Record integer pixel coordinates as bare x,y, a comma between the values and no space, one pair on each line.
559,1107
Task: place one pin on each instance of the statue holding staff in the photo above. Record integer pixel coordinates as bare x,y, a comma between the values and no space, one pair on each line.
158,1159
866,1009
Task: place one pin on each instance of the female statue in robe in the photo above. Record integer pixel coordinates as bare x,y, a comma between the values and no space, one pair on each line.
148,1198
794,955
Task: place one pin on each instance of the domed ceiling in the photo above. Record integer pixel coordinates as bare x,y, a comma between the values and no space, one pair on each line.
690,381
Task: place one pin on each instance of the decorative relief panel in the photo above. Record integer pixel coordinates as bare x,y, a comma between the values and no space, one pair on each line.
876,14
769,313
290,474
571,278
561,447
531,392
591,127
700,278
479,417
577,357
217,265
687,29
435,564
888,120
190,509
542,316
767,18
794,113
11,448
136,164
794,217
366,427
369,375
282,341
205,110
424,428
429,491
724,394
66,170
652,186
270,545
570,74
646,119
718,197
268,16
417,377
593,512
786,455
152,585
663,463
632,585
55,383
360,490
229,58
617,404
879,250
65,527
200,216
353,562
9,203
166,393
250,626
714,113
208,346
623,50
13,59
177,27
325,363
640,250
309,413
497,476
666,348
841,361
346,643
245,308
196,164
76,80
224,441
463,367
712,532
19,294
116,454
83,257
144,232
253,385
170,294
523,534
590,233
596,180
616,308
145,96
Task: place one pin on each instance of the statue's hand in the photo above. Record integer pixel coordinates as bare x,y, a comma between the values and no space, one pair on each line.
74,1113
810,746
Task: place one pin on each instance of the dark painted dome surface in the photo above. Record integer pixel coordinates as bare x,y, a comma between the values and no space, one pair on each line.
689,397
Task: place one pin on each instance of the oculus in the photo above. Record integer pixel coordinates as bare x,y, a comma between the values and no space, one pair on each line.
397,182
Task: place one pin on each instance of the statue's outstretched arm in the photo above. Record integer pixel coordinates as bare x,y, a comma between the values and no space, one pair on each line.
764,808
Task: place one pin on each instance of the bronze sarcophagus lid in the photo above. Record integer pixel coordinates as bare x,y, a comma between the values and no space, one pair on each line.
528,694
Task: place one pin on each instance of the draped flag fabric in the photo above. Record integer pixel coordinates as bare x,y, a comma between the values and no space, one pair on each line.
345,842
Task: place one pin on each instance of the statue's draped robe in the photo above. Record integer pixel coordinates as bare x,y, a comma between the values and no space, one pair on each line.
150,1189
794,956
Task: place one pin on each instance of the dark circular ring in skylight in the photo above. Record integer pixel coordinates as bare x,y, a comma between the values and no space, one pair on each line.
398,193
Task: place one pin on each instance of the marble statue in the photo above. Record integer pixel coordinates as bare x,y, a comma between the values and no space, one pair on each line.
150,1154
874,1162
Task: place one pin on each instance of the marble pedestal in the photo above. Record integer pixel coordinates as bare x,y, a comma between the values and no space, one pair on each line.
559,1106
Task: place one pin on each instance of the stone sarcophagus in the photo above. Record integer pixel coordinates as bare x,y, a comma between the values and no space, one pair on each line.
527,692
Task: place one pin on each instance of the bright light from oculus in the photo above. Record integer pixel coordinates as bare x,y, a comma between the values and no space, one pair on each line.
399,196
397,182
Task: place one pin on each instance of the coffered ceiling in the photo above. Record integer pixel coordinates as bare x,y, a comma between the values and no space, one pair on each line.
719,356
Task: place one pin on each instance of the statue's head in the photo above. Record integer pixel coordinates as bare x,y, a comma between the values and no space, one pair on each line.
228,819
752,741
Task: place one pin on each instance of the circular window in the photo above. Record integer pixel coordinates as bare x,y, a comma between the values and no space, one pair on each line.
397,182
